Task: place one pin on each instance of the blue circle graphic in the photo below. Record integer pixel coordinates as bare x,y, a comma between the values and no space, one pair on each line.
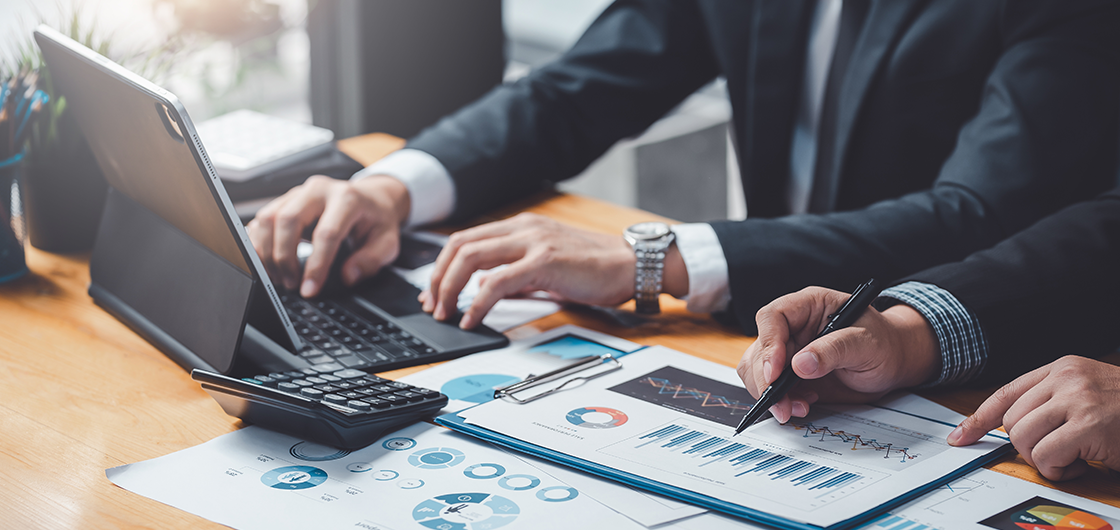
533,482
542,494
466,511
478,388
487,471
436,458
294,477
399,444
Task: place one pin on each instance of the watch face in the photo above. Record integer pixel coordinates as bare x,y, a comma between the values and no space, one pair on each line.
647,231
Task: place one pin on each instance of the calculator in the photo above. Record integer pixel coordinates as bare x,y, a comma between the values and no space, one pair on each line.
347,409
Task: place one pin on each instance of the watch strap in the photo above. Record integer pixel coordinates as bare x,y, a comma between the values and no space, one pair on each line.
647,280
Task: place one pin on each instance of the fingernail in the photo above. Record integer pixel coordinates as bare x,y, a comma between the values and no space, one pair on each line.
428,304
955,436
351,274
799,409
308,288
766,370
467,322
778,414
807,362
440,313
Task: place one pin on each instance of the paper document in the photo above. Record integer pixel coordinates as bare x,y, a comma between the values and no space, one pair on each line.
421,477
669,417
984,500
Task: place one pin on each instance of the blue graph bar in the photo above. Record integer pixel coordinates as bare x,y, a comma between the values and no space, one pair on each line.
705,445
789,470
657,435
683,439
748,456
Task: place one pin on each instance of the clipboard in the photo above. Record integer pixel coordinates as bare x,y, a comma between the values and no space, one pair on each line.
457,422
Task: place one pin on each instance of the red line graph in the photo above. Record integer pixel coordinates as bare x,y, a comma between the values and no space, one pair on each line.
677,391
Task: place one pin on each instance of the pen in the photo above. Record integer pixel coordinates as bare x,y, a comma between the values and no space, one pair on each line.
848,314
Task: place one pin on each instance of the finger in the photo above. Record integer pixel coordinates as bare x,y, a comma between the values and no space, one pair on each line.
846,348
291,219
1034,398
512,279
770,355
1058,455
338,218
260,235
782,410
1034,426
471,257
377,251
457,240
990,413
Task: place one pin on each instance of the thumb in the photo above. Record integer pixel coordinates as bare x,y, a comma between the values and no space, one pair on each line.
846,348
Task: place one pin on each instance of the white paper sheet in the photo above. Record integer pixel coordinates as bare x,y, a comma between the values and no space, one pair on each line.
471,380
670,417
419,477
985,499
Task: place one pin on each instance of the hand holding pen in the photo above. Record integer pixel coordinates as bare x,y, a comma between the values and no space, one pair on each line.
877,352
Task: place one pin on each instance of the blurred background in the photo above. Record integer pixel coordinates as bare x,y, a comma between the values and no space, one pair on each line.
357,66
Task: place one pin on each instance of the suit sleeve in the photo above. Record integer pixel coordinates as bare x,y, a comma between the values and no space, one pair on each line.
634,63
1050,290
1045,136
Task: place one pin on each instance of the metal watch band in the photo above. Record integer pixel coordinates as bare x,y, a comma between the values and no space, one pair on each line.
647,280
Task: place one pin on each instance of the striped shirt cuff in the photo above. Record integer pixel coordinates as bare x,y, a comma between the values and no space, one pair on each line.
964,350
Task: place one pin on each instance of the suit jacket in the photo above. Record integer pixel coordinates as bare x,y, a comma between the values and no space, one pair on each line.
960,123
1048,291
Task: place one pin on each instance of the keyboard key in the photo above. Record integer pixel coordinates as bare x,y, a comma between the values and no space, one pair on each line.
319,359
311,392
374,356
329,367
349,374
395,351
335,398
359,405
352,361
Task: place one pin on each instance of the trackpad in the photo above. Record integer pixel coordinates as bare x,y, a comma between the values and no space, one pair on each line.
445,335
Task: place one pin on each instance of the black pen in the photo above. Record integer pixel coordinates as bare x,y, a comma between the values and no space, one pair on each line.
848,314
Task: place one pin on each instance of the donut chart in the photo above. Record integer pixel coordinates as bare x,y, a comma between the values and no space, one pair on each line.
436,458
597,417
485,471
557,494
294,477
519,482
466,511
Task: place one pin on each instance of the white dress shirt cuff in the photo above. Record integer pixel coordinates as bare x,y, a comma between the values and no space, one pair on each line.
708,289
430,187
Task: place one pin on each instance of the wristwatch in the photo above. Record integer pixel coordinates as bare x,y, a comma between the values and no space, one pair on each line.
649,241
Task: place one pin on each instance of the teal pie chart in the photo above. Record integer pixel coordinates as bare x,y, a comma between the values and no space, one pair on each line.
466,511
477,388
436,458
294,477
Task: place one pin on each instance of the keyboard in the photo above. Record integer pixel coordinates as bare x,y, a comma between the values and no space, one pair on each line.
245,144
348,408
338,335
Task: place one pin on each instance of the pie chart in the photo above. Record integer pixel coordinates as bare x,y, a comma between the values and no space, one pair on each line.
1045,517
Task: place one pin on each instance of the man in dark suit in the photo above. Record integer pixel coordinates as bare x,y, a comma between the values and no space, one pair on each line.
1017,307
913,133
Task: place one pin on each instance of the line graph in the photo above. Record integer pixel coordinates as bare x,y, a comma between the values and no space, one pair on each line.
857,440
690,393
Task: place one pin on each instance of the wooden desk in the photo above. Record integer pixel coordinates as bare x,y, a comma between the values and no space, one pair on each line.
80,393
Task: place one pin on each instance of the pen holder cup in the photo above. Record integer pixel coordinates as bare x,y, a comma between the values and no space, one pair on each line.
13,264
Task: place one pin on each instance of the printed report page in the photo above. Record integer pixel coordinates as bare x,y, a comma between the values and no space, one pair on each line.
670,417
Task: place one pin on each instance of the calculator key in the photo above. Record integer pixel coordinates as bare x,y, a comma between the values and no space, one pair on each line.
358,405
393,398
349,374
328,388
321,359
398,384
288,387
307,371
316,380
265,380
365,391
427,393
279,376
384,388
412,397
351,395
329,378
335,398
302,382
378,403
251,380
311,392
352,361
